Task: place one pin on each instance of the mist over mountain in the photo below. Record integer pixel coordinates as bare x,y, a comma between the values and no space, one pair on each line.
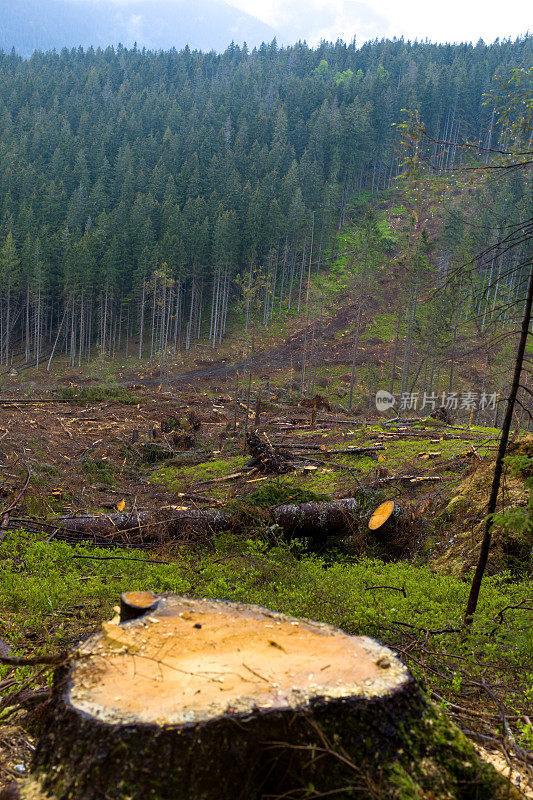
29,25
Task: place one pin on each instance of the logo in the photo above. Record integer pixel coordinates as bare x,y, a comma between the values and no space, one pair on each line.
455,401
384,400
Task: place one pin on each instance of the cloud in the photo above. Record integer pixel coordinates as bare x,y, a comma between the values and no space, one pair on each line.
453,21
325,19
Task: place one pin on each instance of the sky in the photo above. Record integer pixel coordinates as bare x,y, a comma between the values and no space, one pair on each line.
451,21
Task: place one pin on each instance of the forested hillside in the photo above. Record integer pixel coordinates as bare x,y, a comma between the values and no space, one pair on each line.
141,192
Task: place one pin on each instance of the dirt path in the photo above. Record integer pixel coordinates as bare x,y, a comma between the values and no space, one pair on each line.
321,340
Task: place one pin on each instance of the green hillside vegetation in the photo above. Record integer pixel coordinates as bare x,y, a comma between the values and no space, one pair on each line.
145,194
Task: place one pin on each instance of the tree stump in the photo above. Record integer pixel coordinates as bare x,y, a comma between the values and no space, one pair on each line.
211,700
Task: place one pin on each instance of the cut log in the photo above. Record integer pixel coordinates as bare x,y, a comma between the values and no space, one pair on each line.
208,700
382,514
142,527
407,479
357,451
334,518
397,527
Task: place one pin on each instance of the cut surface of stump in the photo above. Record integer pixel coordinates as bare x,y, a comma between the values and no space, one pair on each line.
191,661
210,700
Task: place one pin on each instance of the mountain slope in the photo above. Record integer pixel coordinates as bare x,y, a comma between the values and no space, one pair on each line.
29,25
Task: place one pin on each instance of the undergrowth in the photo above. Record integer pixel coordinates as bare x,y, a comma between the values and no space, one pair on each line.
98,469
54,594
98,394
276,493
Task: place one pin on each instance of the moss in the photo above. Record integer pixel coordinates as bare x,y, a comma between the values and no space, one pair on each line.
98,469
451,762
393,747
462,520
276,492
176,477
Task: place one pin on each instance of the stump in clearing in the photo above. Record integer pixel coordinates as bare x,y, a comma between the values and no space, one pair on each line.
208,700
213,700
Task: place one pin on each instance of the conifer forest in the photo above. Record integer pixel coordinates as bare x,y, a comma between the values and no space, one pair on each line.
143,194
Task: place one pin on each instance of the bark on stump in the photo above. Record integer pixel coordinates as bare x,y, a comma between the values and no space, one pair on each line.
208,700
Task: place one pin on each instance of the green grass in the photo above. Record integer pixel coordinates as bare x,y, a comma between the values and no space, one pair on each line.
177,477
98,394
54,593
384,326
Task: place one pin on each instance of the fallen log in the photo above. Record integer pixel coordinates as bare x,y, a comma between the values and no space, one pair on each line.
407,479
312,520
354,451
210,700
172,524
321,447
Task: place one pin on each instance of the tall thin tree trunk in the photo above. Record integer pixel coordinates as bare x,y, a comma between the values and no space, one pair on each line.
506,427
57,337
141,326
395,355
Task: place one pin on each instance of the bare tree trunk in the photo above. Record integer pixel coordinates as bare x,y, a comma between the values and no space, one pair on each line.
57,337
395,356
506,427
307,304
141,326
27,347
